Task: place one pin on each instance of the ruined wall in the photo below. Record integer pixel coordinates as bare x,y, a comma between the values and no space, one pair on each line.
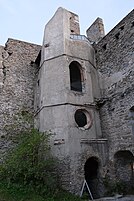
96,31
16,87
115,63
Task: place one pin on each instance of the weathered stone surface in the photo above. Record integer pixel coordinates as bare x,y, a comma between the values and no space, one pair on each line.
115,63
16,87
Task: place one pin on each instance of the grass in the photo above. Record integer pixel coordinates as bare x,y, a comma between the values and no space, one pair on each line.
15,192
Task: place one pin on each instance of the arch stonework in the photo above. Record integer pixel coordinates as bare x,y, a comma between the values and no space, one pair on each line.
124,168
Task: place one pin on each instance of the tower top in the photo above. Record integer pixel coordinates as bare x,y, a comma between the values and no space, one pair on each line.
96,31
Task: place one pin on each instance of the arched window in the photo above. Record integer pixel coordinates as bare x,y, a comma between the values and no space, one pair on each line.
75,76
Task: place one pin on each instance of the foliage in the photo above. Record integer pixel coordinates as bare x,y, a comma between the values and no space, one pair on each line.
28,172
114,187
15,192
30,162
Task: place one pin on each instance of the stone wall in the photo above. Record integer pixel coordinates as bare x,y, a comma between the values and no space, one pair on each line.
16,88
115,63
96,31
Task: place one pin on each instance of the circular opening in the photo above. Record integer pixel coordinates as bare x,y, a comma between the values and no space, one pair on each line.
83,119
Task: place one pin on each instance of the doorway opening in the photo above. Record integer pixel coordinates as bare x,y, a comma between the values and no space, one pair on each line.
91,169
124,167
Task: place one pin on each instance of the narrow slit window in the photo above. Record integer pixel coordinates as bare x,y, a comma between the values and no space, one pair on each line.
132,118
117,35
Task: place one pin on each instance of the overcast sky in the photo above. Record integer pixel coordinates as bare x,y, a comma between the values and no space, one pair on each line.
25,19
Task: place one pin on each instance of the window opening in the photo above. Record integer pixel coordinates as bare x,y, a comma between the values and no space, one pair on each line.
132,24
75,76
132,118
122,27
83,119
80,118
38,59
117,35
72,31
104,46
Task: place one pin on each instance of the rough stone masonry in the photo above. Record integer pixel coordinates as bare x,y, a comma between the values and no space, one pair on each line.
80,88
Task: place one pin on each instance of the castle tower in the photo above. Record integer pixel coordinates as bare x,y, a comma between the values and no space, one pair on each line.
66,90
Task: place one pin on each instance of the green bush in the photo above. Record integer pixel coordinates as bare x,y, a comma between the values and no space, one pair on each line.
30,162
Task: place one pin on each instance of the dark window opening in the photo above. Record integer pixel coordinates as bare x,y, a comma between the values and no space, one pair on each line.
38,82
132,24
72,31
132,109
38,59
10,53
75,76
46,45
132,118
117,35
122,27
80,118
104,46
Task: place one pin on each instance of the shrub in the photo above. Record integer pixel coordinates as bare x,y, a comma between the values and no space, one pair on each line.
30,162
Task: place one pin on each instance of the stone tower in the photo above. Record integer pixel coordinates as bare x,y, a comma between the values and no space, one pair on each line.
65,103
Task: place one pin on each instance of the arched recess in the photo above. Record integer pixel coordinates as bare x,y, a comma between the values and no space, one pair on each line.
75,76
124,167
91,169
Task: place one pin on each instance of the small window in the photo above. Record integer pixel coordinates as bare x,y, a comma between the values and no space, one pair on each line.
132,24
38,59
104,46
132,118
83,119
117,35
122,27
75,76
80,118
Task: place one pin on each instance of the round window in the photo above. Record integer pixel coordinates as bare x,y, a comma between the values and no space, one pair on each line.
83,119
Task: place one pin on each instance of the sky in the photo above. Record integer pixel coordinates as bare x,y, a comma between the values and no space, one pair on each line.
25,19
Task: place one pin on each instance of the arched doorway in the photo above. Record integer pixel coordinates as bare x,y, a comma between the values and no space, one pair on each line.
91,169
124,167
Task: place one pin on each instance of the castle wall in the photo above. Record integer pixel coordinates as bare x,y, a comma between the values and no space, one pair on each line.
115,63
106,74
96,31
16,88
